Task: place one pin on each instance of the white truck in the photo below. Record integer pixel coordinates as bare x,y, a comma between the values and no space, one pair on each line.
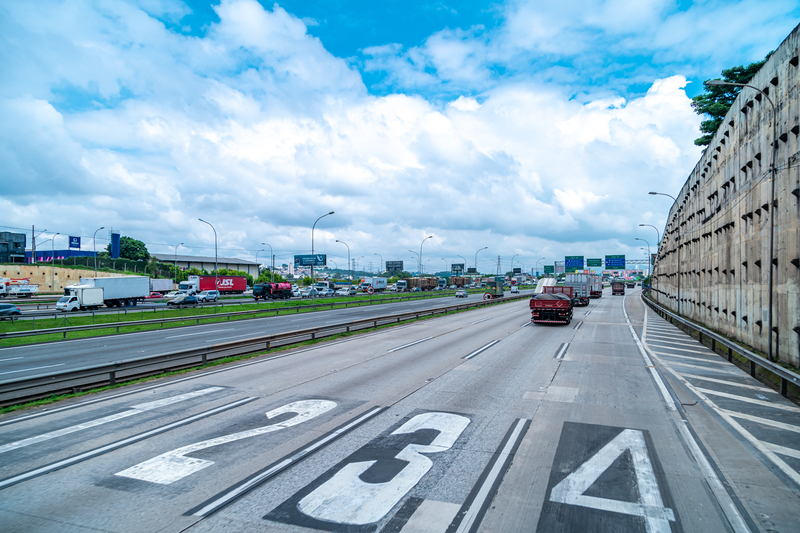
120,291
21,288
160,285
401,285
4,287
377,284
80,298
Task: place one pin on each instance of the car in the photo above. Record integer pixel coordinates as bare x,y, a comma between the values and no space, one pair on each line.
208,296
416,289
9,311
346,291
155,295
296,292
325,292
307,293
437,288
461,293
514,289
453,287
172,294
184,299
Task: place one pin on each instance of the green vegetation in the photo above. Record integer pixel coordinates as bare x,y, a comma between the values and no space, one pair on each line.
716,101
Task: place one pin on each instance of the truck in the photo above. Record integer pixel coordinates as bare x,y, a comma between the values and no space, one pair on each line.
551,308
160,285
225,284
494,287
5,290
617,288
596,289
442,283
334,285
581,285
22,288
401,286
121,291
459,281
80,298
274,291
424,284
377,284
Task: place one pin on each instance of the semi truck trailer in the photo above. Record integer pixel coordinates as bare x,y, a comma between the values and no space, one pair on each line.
225,284
119,291
551,308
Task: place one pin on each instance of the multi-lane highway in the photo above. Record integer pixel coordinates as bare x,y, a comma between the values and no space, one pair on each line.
21,361
472,422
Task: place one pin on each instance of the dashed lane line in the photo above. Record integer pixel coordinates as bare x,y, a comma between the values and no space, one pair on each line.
479,350
409,344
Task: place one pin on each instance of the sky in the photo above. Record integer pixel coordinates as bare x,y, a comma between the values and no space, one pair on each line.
534,129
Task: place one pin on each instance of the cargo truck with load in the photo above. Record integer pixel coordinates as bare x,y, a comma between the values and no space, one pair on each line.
22,288
581,285
617,288
119,291
401,286
551,308
459,281
274,291
493,287
224,284
160,285
377,284
423,284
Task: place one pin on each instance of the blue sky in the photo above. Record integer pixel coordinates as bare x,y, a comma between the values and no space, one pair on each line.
533,128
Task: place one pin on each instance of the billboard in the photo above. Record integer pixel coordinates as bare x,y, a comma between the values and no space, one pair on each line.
615,261
472,270
594,262
457,268
310,260
74,242
517,270
115,245
394,266
652,259
573,263
549,269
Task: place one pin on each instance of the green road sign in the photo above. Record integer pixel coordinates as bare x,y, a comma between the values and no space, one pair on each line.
615,262
594,262
573,263
549,269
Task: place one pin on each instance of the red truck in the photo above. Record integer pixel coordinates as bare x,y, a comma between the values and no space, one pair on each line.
225,284
551,308
559,290
617,288
276,291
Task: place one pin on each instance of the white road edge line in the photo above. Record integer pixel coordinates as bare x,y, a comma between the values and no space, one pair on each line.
198,333
29,369
409,344
479,350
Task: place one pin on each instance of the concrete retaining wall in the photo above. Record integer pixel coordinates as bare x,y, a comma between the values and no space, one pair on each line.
714,262
44,275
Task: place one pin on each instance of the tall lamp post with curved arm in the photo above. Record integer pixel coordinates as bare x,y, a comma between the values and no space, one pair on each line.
679,248
537,264
415,253
349,269
658,240
257,265
476,258
420,250
313,292
380,269
216,270
271,261
649,260
720,83
94,247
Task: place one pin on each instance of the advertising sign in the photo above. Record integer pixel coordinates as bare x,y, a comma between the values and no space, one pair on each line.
652,259
457,268
394,266
472,270
517,270
74,242
549,269
615,261
594,262
573,263
309,260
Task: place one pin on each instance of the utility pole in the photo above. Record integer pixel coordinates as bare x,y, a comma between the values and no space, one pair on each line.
498,266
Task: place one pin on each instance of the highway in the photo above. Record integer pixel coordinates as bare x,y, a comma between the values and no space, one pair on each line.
24,360
478,421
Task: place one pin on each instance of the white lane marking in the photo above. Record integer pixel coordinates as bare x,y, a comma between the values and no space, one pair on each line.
346,499
726,382
765,421
659,382
718,369
199,333
750,400
303,452
694,358
525,324
34,368
578,325
488,483
134,410
481,320
783,450
682,336
431,516
732,513
409,344
10,359
479,350
562,351
650,505
587,313
174,465
118,444
654,345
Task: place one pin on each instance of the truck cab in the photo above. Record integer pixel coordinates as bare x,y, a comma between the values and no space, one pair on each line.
188,287
80,298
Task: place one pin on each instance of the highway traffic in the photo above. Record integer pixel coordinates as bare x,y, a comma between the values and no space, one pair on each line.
479,421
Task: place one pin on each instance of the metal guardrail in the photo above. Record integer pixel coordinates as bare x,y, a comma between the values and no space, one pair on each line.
17,390
755,360
197,318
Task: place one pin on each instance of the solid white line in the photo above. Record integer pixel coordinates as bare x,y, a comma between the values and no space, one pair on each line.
483,493
199,333
765,421
658,338
671,336
134,410
729,508
29,369
409,344
783,450
211,507
479,350
732,383
652,343
525,324
750,400
10,359
693,358
724,370
115,445
562,351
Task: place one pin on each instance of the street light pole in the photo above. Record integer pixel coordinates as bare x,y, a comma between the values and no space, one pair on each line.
313,291
720,83
476,258
658,241
271,262
512,264
94,248
649,260
257,265
379,266
420,249
216,270
349,266
53,286
537,264
415,253
679,247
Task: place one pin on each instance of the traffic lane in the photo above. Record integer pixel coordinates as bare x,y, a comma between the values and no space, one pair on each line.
602,399
19,361
398,371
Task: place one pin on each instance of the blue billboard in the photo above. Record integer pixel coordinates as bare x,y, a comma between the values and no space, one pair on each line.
74,242
309,260
615,262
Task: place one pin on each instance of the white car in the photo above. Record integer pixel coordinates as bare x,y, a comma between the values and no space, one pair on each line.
296,292
172,294
346,291
514,289
208,296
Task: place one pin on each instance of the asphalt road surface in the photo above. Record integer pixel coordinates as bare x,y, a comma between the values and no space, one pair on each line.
479,421
31,360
